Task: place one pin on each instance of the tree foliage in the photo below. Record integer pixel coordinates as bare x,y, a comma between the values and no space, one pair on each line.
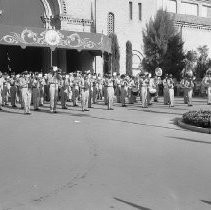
115,56
129,58
163,46
203,61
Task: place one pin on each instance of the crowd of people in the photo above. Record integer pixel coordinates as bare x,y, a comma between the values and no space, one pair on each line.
86,88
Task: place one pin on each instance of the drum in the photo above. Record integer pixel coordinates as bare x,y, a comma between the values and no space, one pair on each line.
135,91
152,92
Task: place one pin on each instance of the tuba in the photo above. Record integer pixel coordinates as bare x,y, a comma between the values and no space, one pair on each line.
158,72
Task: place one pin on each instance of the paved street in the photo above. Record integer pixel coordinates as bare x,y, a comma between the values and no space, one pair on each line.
127,159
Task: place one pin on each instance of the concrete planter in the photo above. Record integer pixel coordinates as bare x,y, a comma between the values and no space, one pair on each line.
193,128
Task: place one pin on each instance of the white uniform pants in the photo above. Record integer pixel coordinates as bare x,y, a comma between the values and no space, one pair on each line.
53,96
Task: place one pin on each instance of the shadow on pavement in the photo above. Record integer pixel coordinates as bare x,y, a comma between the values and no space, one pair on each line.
190,140
207,202
153,111
64,113
135,123
10,112
132,204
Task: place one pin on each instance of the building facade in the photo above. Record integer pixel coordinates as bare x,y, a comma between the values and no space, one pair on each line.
126,18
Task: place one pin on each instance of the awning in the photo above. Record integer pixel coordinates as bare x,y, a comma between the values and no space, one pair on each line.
39,37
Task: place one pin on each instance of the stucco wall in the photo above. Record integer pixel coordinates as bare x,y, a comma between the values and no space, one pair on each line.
194,38
21,12
125,28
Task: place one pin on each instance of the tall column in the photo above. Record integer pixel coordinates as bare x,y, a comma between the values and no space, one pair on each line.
164,2
179,4
46,59
200,9
62,57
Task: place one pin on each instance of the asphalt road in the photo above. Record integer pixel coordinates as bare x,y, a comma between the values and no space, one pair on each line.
126,159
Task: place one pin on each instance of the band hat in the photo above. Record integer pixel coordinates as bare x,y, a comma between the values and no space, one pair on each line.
25,72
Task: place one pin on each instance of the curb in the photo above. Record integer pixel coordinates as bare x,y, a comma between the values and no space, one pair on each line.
193,128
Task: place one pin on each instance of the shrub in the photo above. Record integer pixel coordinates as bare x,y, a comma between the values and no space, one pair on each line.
201,118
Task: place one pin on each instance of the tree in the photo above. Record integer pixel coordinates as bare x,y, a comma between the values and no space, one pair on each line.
203,61
129,58
115,56
163,46
174,59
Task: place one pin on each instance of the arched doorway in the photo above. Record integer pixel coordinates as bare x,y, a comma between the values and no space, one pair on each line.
137,60
26,13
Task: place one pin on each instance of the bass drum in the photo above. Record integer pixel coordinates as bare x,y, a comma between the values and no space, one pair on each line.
152,92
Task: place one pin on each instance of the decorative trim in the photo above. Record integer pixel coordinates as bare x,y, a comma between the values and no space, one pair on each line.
192,25
68,19
76,21
53,39
64,6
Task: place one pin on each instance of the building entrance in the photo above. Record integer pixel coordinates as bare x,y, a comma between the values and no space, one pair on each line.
16,59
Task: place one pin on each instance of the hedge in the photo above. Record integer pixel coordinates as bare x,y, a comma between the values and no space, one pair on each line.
201,118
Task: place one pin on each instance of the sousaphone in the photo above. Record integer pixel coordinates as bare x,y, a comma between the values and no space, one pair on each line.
158,72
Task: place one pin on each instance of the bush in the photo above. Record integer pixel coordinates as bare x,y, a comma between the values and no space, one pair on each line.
201,118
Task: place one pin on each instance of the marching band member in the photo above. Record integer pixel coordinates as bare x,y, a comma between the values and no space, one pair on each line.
42,88
6,90
118,88
75,89
90,90
165,90
170,84
131,84
26,92
70,87
185,90
144,83
64,90
124,87
36,92
105,89
19,94
54,80
135,89
100,87
152,89
189,85
95,89
109,83
85,86
13,90
207,83
1,89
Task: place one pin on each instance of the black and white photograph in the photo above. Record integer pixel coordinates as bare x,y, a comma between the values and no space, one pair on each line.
105,104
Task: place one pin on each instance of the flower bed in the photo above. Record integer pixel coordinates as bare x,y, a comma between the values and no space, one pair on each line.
201,118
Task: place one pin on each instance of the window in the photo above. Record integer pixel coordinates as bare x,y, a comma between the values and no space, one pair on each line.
110,25
206,11
189,9
131,10
140,11
172,6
